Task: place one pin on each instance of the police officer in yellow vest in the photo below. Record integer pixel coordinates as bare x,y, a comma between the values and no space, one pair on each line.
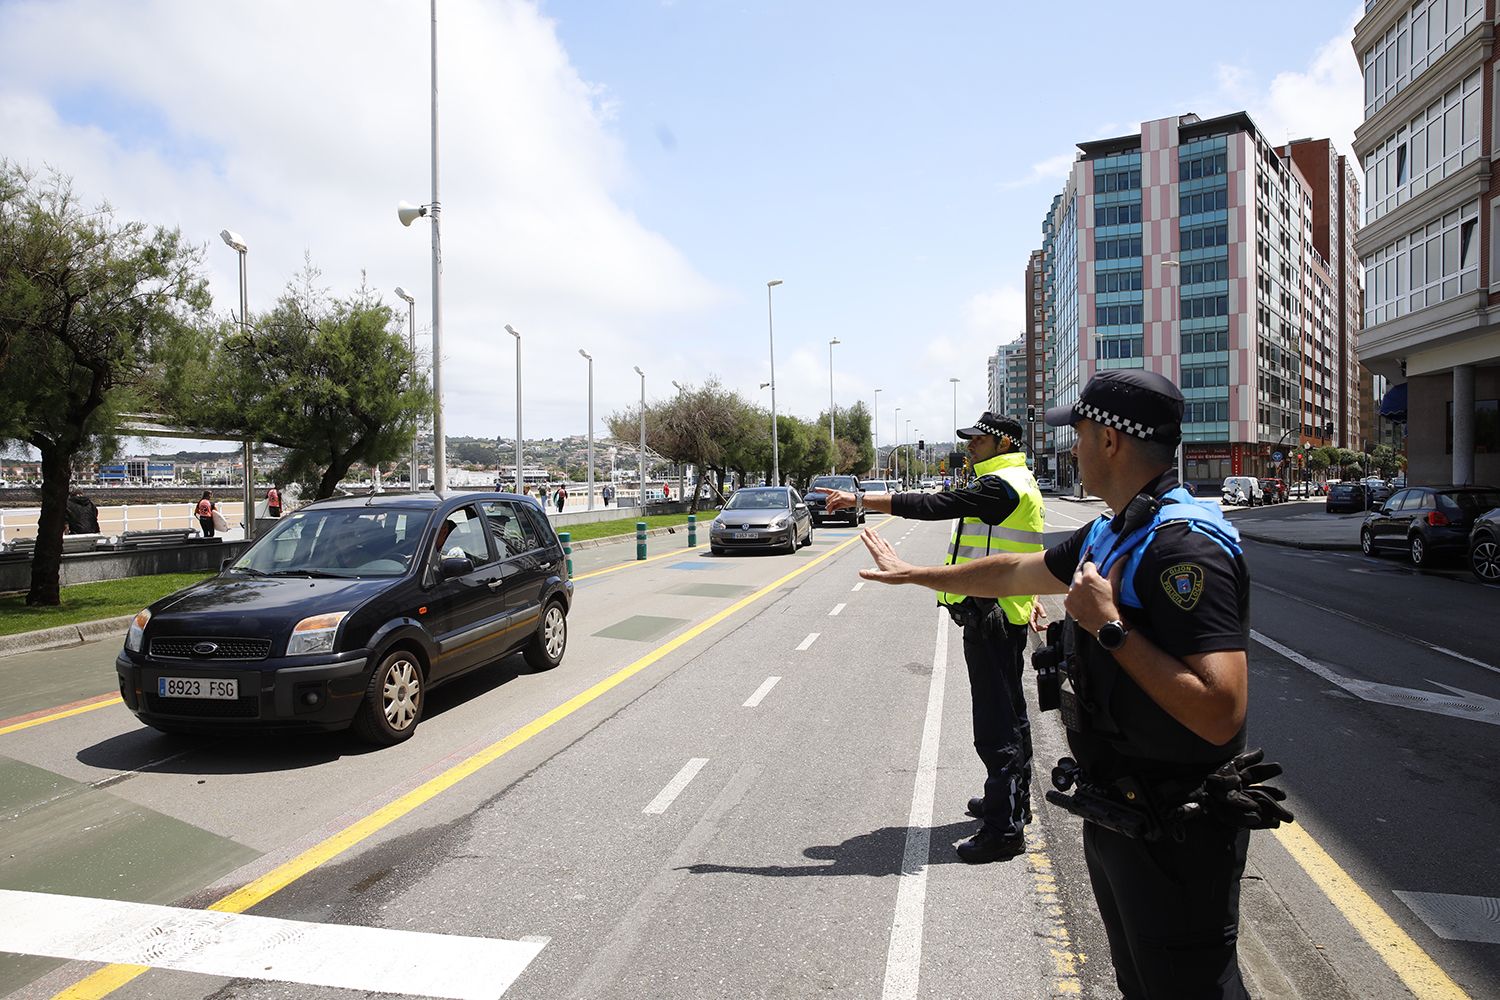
999,510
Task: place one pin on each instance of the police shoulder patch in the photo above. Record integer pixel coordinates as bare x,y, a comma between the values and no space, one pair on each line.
1183,584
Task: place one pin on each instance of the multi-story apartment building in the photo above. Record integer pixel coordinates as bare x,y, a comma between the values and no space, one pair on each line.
1007,368
1038,438
1430,237
1193,249
994,377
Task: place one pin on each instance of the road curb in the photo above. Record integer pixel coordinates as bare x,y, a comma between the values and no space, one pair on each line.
594,543
63,636
1297,544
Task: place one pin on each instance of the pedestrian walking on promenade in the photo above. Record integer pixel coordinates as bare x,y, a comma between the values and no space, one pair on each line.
273,501
204,511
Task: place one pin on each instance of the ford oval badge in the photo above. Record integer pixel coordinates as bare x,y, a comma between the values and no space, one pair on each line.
205,648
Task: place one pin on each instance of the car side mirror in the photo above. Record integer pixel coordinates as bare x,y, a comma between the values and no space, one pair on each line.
224,564
802,506
455,566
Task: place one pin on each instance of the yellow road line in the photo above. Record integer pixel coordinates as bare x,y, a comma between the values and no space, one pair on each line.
112,977
633,562
67,713
1424,977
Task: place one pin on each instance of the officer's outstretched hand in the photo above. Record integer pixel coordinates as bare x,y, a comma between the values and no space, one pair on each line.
889,568
839,499
1038,616
1091,598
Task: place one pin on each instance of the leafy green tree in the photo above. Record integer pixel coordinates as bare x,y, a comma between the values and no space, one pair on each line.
854,438
1386,460
331,381
90,310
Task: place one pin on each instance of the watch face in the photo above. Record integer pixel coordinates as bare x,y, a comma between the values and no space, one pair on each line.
1111,635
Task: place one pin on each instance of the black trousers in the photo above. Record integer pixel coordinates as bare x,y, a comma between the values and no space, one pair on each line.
1171,910
994,650
207,524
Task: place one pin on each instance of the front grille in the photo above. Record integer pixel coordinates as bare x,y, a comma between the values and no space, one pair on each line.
205,708
181,648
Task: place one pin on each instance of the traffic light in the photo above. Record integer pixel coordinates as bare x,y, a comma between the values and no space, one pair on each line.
1031,414
921,444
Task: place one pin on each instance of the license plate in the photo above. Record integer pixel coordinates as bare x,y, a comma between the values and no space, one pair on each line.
746,534
198,687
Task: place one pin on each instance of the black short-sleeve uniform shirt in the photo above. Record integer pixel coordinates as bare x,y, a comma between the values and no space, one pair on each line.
1195,598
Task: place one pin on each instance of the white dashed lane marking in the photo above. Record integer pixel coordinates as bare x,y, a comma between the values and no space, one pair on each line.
836,609
761,692
812,637
674,787
240,946
858,585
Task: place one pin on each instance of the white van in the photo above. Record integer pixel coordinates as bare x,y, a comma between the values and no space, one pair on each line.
1243,490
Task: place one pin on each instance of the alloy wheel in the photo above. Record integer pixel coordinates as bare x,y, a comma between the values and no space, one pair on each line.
554,631
401,694
1366,543
1485,561
1418,550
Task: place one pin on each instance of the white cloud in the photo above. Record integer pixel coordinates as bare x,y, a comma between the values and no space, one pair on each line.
301,125
1054,168
999,314
1323,100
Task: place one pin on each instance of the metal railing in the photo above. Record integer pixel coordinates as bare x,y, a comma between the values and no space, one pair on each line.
20,522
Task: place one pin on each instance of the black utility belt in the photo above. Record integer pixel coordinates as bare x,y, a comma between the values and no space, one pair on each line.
972,610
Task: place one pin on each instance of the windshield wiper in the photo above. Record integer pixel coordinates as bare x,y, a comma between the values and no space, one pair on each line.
247,569
324,574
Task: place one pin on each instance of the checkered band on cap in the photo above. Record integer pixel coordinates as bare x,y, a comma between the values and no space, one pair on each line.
1119,423
990,428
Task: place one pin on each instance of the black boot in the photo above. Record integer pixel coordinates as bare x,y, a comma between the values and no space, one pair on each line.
976,809
988,845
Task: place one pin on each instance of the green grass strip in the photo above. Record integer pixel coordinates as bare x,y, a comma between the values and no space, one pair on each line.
86,602
611,529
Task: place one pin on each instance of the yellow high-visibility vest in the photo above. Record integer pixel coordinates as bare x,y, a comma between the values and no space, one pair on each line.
1020,532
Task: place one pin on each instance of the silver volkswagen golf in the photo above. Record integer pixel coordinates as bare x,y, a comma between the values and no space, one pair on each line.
762,517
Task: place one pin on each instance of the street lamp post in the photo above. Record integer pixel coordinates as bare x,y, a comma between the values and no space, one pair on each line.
906,440
833,445
771,332
1174,264
875,427
641,457
681,467
896,448
955,411
590,359
520,478
236,242
408,214
411,342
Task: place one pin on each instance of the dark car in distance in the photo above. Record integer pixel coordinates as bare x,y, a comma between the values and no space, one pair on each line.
762,517
348,612
1344,498
1427,521
817,499
1274,489
1484,546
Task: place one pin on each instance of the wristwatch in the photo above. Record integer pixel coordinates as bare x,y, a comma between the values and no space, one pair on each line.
1112,635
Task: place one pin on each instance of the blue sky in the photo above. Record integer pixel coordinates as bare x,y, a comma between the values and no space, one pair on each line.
626,176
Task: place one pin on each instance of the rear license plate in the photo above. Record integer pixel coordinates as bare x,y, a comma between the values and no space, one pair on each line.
198,687
746,534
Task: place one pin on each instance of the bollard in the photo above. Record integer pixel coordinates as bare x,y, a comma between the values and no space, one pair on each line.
566,537
692,531
640,539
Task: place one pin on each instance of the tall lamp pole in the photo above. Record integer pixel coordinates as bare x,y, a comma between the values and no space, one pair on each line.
411,342
833,444
681,467
955,411
771,332
896,448
875,427
590,359
520,478
906,440
408,214
1174,264
236,242
641,457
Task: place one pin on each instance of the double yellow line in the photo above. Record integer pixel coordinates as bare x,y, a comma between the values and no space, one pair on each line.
112,977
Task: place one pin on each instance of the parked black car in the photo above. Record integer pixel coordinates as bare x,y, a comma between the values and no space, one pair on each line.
817,499
762,517
1484,546
348,612
1344,497
1426,521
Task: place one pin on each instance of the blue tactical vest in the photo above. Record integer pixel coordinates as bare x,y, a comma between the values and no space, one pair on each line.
1122,715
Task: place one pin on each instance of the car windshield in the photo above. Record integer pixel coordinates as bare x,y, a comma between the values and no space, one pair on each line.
772,499
1342,488
338,541
875,486
832,483
1474,501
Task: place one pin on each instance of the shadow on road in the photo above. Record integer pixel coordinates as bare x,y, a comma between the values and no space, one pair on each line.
877,853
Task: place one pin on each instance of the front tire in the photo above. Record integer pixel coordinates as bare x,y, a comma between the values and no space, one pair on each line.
808,541
1367,543
546,648
1484,561
394,700
717,550
792,545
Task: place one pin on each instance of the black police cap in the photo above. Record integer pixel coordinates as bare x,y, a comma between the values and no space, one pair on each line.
993,424
1140,403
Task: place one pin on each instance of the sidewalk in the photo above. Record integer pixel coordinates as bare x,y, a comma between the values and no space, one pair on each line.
1298,524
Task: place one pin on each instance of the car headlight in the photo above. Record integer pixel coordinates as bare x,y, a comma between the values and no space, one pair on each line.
137,634
315,634
780,522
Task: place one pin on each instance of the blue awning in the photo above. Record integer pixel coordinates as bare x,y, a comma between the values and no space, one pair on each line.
1393,403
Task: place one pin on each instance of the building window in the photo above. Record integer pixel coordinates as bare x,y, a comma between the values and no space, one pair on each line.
1208,165
1118,347
1118,315
1204,341
1204,376
1429,265
1117,180
1118,281
1417,40
1128,214
1486,427
1198,237
1435,143
1117,248
1204,306
1198,202
1205,271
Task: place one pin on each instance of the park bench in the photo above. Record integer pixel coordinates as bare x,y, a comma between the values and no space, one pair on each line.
154,537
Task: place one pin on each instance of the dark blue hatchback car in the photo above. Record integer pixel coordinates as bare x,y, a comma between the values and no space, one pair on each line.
348,612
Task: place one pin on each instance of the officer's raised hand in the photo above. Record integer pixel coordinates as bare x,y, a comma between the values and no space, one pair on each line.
1091,597
889,567
839,499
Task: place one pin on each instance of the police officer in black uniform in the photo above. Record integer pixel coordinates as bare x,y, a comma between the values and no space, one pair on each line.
1150,672
999,510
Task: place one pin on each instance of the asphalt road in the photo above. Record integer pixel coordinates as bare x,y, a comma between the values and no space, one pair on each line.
657,817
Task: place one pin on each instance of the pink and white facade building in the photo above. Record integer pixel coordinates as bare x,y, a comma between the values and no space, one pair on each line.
1188,249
